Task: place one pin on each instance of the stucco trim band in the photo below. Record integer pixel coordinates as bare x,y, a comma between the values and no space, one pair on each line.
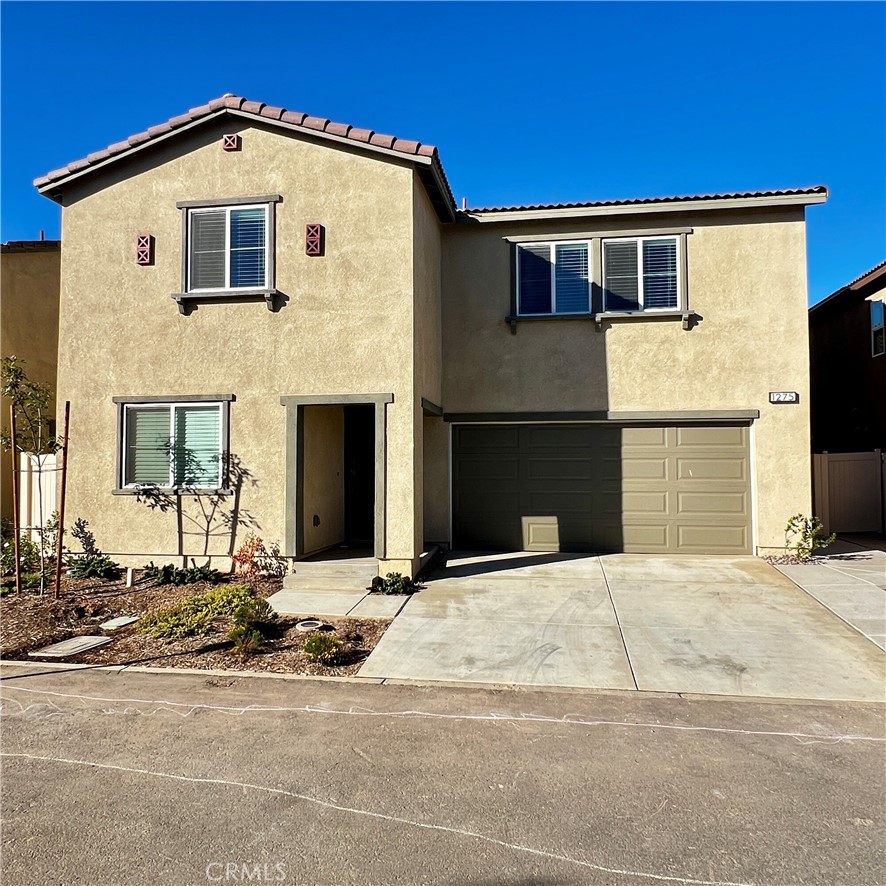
430,407
228,201
606,417
293,543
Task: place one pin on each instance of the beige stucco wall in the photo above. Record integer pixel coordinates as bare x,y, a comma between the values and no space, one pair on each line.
747,280
324,486
29,297
427,324
347,327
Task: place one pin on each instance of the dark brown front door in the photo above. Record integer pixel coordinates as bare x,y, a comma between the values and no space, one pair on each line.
359,475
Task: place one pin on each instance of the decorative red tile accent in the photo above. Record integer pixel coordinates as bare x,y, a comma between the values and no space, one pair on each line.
144,249
315,239
231,142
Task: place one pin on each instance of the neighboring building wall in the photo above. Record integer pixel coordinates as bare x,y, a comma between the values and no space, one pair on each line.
347,327
848,382
28,325
747,280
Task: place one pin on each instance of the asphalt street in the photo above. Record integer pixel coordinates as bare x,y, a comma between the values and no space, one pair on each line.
129,778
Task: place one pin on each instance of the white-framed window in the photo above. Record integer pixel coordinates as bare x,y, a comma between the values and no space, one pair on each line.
641,274
552,278
878,329
227,248
173,445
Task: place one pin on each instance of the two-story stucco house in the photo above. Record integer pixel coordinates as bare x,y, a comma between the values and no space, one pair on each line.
277,322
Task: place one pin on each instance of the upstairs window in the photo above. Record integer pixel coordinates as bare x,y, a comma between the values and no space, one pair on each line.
172,445
553,278
227,248
640,274
878,332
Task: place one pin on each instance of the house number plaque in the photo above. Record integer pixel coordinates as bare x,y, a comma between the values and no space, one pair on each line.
784,397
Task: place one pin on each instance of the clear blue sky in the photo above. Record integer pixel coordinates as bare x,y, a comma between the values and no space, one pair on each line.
527,102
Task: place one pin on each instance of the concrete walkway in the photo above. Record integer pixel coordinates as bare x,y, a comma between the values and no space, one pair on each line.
852,585
709,625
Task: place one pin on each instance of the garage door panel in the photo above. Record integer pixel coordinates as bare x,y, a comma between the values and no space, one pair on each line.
483,468
593,487
644,503
645,469
560,469
486,437
715,436
726,503
708,468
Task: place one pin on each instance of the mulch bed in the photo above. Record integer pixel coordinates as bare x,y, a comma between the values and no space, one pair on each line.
29,622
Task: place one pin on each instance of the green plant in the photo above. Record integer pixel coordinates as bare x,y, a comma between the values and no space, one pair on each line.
392,583
246,640
92,563
182,575
322,648
94,566
254,613
195,615
802,536
28,551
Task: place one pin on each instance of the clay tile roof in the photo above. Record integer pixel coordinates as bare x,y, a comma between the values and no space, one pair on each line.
267,112
736,195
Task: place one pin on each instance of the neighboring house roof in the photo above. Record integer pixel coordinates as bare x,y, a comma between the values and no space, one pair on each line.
868,283
425,155
31,246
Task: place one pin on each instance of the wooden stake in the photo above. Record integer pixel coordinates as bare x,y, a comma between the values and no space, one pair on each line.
15,514
61,507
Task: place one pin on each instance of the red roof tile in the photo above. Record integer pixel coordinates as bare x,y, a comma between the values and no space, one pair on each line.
258,109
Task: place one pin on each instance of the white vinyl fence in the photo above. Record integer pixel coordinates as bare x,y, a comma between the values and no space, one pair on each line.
849,490
37,485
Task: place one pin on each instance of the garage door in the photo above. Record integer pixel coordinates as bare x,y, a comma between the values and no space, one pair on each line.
574,487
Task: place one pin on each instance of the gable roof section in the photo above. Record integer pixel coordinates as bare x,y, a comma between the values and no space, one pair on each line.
426,157
867,283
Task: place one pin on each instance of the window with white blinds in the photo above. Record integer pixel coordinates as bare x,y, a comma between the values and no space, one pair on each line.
227,248
552,278
173,445
640,274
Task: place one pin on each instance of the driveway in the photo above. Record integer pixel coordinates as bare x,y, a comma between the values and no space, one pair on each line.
708,625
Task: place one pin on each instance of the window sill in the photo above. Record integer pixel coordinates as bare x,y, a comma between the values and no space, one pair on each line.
187,300
688,318
168,490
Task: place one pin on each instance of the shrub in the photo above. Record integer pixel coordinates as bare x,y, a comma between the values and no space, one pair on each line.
801,536
392,583
94,566
322,648
246,640
92,563
195,615
254,558
182,575
28,552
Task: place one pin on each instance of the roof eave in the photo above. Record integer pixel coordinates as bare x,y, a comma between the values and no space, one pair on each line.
643,208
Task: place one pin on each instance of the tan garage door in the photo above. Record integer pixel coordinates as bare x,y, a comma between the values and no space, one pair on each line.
574,487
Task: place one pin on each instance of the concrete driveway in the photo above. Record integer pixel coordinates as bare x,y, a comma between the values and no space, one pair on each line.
708,625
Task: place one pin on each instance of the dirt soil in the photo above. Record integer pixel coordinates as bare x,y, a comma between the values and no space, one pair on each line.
29,622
